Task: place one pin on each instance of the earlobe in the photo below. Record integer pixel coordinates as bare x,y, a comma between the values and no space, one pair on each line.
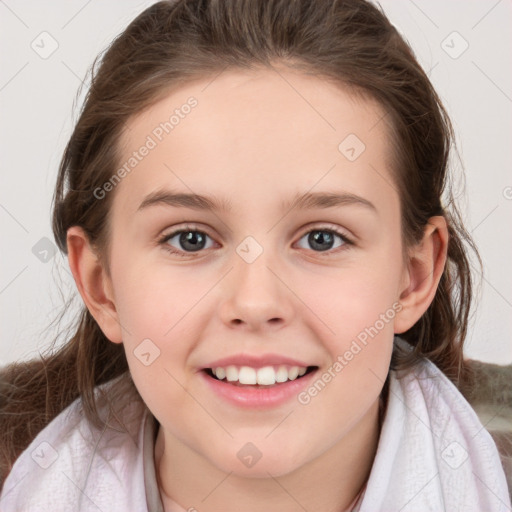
93,283
425,267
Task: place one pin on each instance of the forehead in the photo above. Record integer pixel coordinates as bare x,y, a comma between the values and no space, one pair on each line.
239,129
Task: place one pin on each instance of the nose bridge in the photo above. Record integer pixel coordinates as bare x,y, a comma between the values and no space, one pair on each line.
252,269
255,294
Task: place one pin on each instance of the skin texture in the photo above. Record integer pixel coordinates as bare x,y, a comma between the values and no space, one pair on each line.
256,139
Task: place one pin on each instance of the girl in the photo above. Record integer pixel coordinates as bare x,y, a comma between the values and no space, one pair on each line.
251,205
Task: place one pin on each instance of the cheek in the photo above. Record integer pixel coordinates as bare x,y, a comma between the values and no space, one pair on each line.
360,312
153,301
352,300
157,332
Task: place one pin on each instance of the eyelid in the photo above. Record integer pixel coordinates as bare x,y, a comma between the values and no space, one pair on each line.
187,227
341,232
310,227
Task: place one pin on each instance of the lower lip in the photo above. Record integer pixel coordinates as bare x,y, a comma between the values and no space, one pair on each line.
258,397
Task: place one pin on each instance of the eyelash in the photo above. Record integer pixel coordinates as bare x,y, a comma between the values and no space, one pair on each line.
165,238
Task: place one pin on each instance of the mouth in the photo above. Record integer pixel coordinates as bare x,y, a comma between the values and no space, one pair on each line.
265,377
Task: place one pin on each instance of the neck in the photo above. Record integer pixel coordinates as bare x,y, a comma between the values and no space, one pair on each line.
329,482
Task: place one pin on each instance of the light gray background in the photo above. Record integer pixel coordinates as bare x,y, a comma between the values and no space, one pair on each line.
37,95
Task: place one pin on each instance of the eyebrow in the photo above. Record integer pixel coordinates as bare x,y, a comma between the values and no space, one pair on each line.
306,201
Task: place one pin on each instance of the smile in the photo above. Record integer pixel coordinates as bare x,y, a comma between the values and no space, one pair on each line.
258,388
265,376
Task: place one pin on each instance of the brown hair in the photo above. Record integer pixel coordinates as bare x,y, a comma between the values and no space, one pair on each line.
350,42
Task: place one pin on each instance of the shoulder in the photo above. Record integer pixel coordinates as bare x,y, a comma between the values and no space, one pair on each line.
432,397
425,377
433,450
74,465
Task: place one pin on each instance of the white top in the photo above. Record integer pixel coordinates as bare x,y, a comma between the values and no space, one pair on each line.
433,455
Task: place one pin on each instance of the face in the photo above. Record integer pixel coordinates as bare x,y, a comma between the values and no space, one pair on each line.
261,280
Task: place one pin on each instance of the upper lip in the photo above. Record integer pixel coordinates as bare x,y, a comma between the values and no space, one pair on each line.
255,361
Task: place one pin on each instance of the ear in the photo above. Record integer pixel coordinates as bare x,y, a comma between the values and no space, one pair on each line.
93,283
425,267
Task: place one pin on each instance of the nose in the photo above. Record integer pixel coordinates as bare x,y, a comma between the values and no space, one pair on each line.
256,295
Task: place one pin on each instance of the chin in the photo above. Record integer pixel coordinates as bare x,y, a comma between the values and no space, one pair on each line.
249,462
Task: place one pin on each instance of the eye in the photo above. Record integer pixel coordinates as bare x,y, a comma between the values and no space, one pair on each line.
188,239
323,239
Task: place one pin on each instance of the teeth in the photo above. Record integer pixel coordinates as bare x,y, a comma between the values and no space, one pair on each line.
220,373
282,374
293,372
247,375
232,373
266,376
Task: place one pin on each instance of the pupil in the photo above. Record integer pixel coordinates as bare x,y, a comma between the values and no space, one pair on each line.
191,237
317,238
